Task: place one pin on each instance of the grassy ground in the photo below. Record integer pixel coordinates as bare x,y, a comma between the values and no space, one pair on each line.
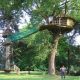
34,76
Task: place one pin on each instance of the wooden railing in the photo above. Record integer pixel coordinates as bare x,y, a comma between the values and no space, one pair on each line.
59,21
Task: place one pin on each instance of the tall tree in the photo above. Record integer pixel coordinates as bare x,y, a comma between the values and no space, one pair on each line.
40,11
45,9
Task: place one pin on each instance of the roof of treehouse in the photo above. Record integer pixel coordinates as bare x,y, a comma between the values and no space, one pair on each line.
64,24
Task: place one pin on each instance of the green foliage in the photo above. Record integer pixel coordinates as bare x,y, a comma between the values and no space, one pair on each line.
61,56
39,9
42,44
7,7
43,10
73,9
75,60
23,55
34,52
36,56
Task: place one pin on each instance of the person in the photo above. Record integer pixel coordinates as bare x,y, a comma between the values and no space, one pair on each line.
63,71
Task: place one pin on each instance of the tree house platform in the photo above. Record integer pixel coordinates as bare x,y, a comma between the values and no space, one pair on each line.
62,24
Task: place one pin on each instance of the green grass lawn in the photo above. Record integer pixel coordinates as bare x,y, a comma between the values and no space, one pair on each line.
34,76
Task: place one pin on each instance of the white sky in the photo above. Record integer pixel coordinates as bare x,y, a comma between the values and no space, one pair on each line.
24,21
77,40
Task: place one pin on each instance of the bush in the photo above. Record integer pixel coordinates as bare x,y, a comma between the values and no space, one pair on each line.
75,71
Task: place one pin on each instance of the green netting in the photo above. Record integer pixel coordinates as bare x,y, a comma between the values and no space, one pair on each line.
20,35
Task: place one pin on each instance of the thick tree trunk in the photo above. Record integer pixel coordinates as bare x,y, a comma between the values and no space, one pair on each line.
51,70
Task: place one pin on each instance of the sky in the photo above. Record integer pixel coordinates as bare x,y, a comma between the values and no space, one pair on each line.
24,20
77,40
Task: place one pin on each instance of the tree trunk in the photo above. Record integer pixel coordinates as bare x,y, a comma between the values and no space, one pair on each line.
7,53
51,70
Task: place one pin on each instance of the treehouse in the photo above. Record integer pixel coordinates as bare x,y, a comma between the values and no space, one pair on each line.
6,32
7,44
60,24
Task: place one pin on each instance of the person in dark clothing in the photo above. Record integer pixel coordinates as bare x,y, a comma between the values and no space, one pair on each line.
63,71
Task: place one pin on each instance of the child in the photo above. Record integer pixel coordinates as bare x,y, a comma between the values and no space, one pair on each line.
63,71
